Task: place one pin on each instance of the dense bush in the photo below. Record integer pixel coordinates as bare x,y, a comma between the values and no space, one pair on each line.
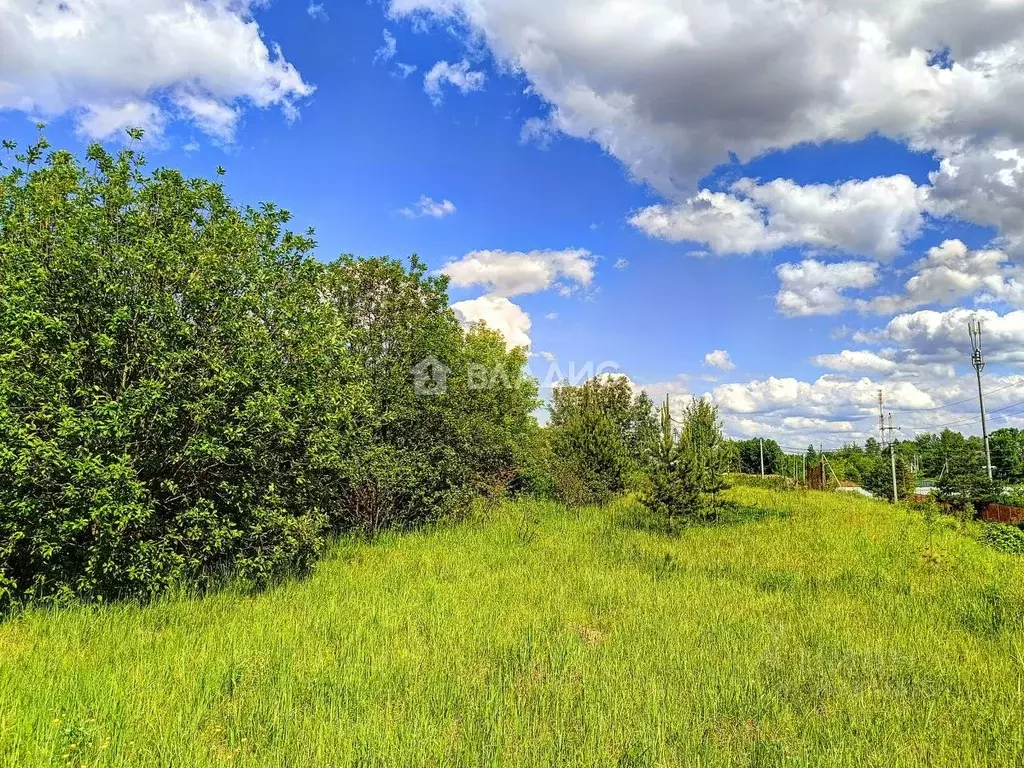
185,391
599,434
747,455
425,453
1004,538
878,478
964,482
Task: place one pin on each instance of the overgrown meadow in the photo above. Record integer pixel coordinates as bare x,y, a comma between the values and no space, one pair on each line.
238,527
821,630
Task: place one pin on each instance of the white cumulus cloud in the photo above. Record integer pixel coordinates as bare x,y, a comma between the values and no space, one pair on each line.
941,336
759,74
508,273
855,360
811,287
951,271
877,217
499,314
985,186
105,121
114,61
719,359
675,88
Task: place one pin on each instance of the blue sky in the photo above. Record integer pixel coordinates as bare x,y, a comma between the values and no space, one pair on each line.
781,210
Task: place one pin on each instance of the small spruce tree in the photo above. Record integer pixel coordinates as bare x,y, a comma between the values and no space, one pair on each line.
702,439
673,491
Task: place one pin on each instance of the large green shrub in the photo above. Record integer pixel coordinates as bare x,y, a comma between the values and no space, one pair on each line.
426,449
175,400
185,392
599,433
878,478
963,482
1004,538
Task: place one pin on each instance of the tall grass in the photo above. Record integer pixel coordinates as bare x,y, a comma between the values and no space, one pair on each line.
839,632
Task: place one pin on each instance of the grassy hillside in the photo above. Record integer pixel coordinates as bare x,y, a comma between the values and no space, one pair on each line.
828,633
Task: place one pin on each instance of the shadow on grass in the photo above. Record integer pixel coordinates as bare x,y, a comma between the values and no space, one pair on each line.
637,517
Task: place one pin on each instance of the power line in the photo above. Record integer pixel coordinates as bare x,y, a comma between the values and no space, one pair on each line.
865,417
961,421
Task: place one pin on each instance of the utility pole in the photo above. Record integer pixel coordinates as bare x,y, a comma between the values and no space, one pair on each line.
881,420
974,329
761,441
804,457
892,456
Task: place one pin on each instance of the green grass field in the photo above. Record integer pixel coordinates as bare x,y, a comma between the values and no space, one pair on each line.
835,631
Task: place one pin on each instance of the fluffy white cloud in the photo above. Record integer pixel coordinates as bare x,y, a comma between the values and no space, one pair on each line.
499,314
876,217
796,412
950,272
621,263
719,359
104,121
830,394
458,75
811,287
759,74
986,187
724,222
538,131
855,360
893,363
114,61
317,11
836,408
427,206
676,392
763,75
934,336
212,116
508,273
806,424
